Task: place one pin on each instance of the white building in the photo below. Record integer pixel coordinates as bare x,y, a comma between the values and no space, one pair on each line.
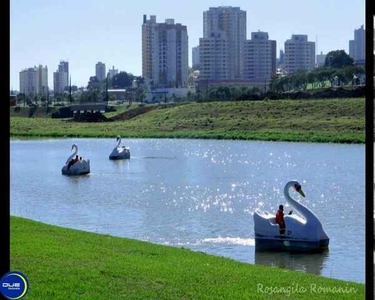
112,72
165,57
225,27
61,77
299,54
214,58
28,81
195,57
34,81
358,45
100,71
321,59
259,57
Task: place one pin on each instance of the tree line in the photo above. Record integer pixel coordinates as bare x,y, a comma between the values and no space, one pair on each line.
338,70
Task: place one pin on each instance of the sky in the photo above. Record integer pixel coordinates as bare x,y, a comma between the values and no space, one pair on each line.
85,32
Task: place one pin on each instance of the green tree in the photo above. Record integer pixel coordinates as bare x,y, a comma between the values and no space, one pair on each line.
300,80
211,93
142,96
323,74
123,80
352,72
43,100
273,82
21,98
94,83
338,59
311,78
255,90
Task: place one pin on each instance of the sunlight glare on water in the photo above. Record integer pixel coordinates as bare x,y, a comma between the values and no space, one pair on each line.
199,194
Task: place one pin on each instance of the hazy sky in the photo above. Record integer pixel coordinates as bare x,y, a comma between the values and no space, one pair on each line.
84,32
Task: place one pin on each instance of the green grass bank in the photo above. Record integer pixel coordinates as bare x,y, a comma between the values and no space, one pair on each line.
70,264
326,120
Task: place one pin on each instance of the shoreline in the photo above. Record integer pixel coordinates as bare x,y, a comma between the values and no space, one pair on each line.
104,267
47,137
273,138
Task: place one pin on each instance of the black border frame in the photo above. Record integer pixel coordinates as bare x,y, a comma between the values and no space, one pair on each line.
369,153
5,128
369,157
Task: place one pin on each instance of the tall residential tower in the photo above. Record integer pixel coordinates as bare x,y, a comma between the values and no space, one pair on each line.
259,57
165,53
100,71
195,57
34,81
221,48
299,54
61,77
358,45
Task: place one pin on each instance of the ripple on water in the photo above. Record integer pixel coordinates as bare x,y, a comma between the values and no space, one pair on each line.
197,194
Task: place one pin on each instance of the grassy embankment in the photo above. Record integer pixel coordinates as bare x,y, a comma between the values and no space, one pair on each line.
328,120
70,264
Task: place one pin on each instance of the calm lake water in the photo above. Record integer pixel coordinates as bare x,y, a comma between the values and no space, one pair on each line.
198,194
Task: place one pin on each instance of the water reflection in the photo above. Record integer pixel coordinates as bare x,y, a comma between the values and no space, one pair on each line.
311,263
198,194
121,165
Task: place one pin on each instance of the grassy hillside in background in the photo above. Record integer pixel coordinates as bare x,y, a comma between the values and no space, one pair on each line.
327,120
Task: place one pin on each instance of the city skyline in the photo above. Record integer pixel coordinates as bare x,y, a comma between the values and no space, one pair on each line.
84,34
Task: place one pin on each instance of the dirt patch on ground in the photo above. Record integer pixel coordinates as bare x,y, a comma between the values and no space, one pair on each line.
89,117
130,114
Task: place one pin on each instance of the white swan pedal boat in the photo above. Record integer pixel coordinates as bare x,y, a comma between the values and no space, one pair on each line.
120,152
304,233
80,167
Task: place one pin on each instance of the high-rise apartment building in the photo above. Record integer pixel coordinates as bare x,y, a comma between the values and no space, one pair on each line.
28,81
100,71
34,81
351,48
358,45
281,58
223,28
214,58
195,57
299,54
42,80
321,59
259,57
61,77
165,54
112,72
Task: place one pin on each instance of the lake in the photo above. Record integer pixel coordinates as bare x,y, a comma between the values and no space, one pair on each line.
198,194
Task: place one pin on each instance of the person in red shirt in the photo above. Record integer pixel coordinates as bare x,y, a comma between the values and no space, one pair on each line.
280,219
